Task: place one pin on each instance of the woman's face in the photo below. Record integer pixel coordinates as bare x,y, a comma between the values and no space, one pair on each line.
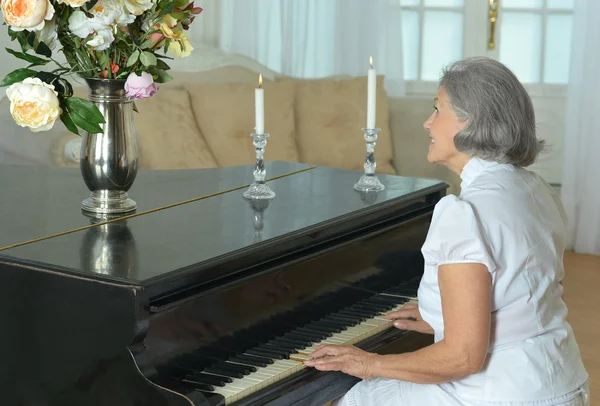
442,126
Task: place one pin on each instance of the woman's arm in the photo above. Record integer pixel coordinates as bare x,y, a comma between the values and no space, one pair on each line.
466,295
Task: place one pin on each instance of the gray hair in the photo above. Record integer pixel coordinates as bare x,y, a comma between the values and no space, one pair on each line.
501,119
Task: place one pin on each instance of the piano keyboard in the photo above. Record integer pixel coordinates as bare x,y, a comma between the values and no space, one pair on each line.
236,374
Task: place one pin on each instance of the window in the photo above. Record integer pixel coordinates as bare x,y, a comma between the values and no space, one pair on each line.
533,37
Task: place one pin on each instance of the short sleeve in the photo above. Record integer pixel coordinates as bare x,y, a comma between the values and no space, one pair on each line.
455,236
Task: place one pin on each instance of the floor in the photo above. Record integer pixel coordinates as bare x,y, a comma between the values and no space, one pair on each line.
582,295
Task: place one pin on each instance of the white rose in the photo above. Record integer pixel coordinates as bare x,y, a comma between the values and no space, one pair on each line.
27,14
111,13
137,7
78,24
34,104
73,3
102,40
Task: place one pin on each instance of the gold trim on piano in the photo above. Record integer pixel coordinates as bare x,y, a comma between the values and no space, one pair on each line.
195,199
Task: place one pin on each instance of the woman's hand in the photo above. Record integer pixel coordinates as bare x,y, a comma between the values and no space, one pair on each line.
409,318
345,358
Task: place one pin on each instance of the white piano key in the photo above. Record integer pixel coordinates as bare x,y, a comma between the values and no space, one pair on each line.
280,369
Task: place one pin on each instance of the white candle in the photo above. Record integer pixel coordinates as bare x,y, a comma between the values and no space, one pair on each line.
371,95
259,107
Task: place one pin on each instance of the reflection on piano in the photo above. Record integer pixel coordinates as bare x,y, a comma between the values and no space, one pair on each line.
214,302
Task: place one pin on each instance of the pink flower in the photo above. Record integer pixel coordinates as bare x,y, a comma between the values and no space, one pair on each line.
140,87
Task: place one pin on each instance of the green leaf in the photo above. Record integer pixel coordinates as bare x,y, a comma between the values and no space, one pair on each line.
147,58
43,49
34,60
104,60
47,77
12,34
85,125
65,117
178,16
146,44
31,38
135,108
86,110
133,58
22,38
17,76
160,64
161,75
168,9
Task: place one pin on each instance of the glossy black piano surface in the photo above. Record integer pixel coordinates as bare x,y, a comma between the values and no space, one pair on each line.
201,297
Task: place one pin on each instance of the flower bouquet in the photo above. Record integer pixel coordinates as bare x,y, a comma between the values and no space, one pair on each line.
127,40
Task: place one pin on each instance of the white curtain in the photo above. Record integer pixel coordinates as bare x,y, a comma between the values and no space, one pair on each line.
581,177
317,38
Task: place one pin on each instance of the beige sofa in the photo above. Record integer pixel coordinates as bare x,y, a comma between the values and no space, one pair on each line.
203,119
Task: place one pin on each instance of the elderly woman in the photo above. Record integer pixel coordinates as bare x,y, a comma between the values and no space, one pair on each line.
491,291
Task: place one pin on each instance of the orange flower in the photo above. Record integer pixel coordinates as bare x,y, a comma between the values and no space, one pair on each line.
27,14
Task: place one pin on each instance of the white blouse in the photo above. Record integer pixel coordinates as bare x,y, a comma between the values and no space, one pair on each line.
512,221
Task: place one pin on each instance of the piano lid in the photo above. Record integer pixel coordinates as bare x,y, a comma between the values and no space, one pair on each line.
198,237
38,202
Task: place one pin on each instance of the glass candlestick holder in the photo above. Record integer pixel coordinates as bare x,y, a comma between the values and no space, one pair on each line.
259,189
369,181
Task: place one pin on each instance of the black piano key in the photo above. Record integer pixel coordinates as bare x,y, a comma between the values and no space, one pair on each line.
254,361
198,385
224,372
312,335
358,312
191,363
350,321
371,307
284,345
404,291
276,350
299,343
295,335
210,379
386,300
332,322
317,330
245,369
332,327
182,388
263,353
350,318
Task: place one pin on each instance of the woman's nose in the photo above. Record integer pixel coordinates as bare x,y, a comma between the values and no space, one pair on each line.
427,123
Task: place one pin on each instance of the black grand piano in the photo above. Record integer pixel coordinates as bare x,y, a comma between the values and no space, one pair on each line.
201,297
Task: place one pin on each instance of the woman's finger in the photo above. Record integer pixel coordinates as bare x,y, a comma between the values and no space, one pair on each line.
403,313
419,326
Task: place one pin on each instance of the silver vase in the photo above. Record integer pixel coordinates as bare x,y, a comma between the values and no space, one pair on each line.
109,160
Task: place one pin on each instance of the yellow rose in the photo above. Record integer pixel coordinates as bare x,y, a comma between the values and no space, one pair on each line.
73,3
180,45
34,104
27,14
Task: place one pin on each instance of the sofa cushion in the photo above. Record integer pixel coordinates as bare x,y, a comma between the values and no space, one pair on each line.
168,136
225,115
330,115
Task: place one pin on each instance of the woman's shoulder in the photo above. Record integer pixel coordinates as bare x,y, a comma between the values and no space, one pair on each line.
456,235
